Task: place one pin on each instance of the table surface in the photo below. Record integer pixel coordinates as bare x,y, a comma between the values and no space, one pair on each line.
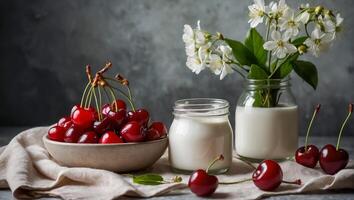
7,133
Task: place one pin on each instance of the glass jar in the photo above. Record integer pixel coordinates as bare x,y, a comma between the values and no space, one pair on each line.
199,133
266,120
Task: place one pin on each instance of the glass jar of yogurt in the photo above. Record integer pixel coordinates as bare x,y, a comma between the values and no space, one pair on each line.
199,133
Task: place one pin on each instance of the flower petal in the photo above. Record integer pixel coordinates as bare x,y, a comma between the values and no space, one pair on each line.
276,35
270,45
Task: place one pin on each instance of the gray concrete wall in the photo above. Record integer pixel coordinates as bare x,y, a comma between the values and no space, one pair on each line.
44,46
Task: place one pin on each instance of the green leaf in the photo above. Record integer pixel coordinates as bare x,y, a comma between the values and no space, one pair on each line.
148,179
241,52
307,71
254,42
257,72
258,99
286,67
299,41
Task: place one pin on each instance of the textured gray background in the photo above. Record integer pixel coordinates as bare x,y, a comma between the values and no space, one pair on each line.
44,46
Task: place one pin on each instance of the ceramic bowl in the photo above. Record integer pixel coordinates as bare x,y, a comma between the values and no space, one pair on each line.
124,157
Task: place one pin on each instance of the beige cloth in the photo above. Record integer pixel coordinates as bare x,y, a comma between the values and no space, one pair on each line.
28,170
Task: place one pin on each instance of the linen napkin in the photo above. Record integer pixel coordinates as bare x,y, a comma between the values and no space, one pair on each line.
29,171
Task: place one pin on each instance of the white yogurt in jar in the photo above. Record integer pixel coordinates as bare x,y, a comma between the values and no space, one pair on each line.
199,134
266,133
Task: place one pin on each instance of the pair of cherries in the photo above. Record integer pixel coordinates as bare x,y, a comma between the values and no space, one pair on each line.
332,159
267,176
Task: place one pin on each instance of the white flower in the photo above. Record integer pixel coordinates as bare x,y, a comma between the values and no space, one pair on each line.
278,10
190,49
216,64
280,45
256,13
289,23
333,26
304,17
226,57
194,64
188,39
318,42
220,64
188,34
304,6
203,54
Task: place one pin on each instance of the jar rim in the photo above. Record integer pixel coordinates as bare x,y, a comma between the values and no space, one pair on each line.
201,107
267,83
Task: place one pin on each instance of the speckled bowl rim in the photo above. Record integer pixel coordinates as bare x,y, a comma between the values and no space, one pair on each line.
46,139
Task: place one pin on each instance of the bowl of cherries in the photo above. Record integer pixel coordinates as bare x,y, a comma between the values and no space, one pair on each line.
107,136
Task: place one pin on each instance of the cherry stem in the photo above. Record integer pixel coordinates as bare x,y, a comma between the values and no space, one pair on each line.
235,182
96,101
343,125
131,98
90,98
296,182
220,157
87,97
310,124
84,94
127,97
114,98
107,95
100,98
248,163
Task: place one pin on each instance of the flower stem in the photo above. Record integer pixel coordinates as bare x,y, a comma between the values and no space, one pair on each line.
84,94
307,32
343,125
220,157
235,182
310,124
276,69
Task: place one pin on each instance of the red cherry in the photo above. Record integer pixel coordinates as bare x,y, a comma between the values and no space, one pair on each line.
268,175
65,122
203,184
83,118
117,118
101,126
140,115
309,154
110,137
307,157
73,134
120,105
333,160
56,133
105,109
160,128
152,134
132,132
75,107
88,137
